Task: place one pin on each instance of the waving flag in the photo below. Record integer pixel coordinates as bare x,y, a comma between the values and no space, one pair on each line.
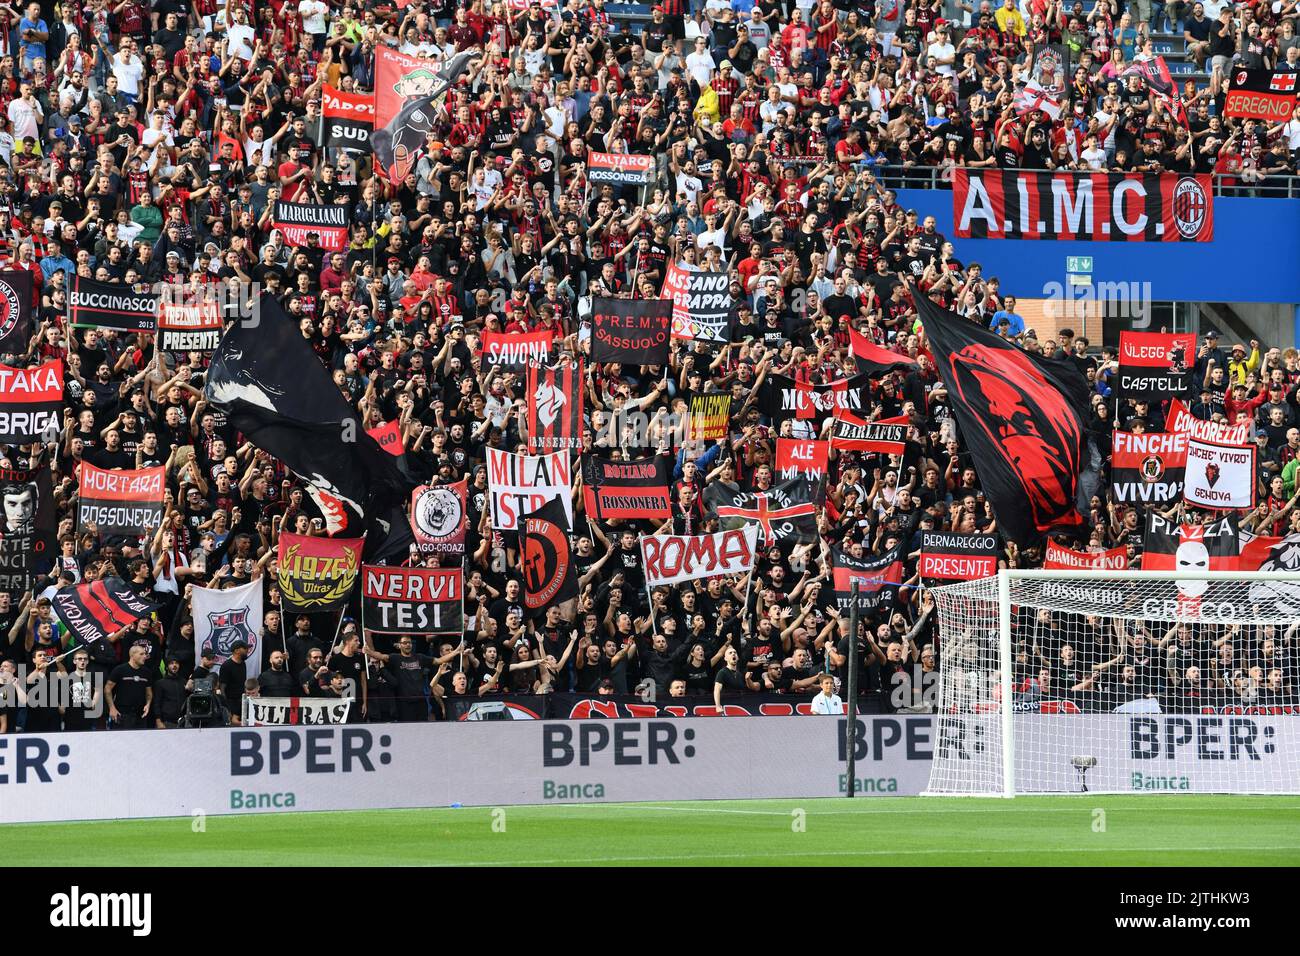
1033,97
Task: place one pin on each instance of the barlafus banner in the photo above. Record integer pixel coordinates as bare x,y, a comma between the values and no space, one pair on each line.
189,328
1059,557
514,352
1220,476
1155,366
438,518
31,403
120,502
15,310
349,119
96,611
797,457
109,305
673,558
549,575
554,408
623,169
1097,207
298,222
626,490
401,600
224,616
409,93
709,414
295,711
784,513
702,306
957,556
316,574
1147,469
1261,94
784,398
885,436
873,359
630,331
520,484
878,577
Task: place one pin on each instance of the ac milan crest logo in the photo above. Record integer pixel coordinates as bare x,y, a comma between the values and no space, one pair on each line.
1191,207
227,628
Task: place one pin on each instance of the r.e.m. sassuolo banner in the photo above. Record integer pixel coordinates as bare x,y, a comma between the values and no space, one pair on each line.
631,331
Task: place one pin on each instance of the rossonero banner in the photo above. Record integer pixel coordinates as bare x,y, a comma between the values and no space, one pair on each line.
625,169
398,600
1155,366
1059,557
189,328
672,558
957,556
295,711
349,119
519,484
106,305
298,222
316,574
1220,476
120,502
1148,468
31,403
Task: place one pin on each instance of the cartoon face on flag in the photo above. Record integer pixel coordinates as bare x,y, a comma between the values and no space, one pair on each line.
409,92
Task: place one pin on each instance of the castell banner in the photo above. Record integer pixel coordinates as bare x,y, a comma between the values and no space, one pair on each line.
189,328
412,600
15,310
96,611
878,577
438,518
1170,546
1023,419
797,457
554,408
1060,558
349,119
873,359
709,414
956,556
1080,206
31,403
702,306
1147,469
298,221
29,525
389,437
409,95
1155,366
626,490
520,484
674,558
630,331
514,352
621,169
316,574
785,513
549,574
786,398
105,305
1183,422
120,502
1220,476
1261,95
886,436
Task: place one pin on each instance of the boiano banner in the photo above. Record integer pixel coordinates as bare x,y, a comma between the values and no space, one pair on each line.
1220,476
673,558
520,484
887,436
105,305
349,119
878,576
626,489
630,331
955,556
806,457
412,600
1155,366
1147,468
709,414
1261,94
513,351
189,328
120,502
297,221
316,574
549,575
438,518
1059,557
702,305
1185,423
31,403
1097,207
624,169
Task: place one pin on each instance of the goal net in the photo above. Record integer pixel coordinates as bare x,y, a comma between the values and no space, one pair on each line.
1101,681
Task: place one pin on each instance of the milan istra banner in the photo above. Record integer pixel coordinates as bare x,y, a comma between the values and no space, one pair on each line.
520,484
622,169
1098,207
189,328
299,220
349,119
673,558
1155,366
1060,558
106,305
120,502
31,403
1262,95
630,331
955,556
1147,469
412,600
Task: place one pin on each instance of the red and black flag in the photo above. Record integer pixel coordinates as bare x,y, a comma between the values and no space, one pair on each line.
554,408
878,577
96,611
349,119
1170,546
1023,418
784,398
631,331
786,513
400,600
549,575
875,359
1261,95
626,490
15,310
1155,366
1147,469
1155,73
31,403
885,436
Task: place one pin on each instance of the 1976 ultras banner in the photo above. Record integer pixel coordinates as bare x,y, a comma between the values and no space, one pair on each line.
1102,207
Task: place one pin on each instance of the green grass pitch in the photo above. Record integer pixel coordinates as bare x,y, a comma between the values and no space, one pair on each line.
1078,830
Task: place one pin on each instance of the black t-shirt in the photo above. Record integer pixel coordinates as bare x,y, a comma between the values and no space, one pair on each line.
130,688
409,674
232,675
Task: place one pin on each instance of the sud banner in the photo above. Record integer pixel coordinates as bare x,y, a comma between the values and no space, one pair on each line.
226,615
1261,94
514,352
189,328
520,484
796,457
708,416
1147,469
630,331
297,221
626,490
702,305
622,169
120,502
1155,366
105,305
438,518
1059,557
673,558
349,119
957,556
1220,476
412,600
31,403
316,574
1096,207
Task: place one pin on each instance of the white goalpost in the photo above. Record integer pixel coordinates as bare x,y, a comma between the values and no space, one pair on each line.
1058,682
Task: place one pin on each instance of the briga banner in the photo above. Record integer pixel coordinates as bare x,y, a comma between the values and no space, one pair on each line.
806,457
189,328
15,310
105,305
438,518
1155,366
98,610
877,577
1183,422
299,220
957,556
409,93
316,574
673,558
549,575
514,352
1260,94
520,484
886,436
1080,206
1147,469
554,407
412,600
120,502
31,403
624,169
349,119
630,331
1220,476
1059,557
702,305
708,416
626,489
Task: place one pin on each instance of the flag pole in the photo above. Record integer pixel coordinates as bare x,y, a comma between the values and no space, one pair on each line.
334,644
851,725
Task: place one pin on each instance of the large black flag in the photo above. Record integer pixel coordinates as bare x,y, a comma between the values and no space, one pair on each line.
549,575
1023,417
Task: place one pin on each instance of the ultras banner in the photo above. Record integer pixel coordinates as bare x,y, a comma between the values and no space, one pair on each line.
438,518
955,556
298,221
120,502
1155,366
797,457
573,706
784,513
31,403
885,436
223,616
672,558
316,574
106,305
787,398
349,119
709,414
189,328
412,600
1098,207
1170,546
630,331
1147,469
1183,422
520,484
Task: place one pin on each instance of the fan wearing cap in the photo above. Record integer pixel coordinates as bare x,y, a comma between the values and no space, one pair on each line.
1208,353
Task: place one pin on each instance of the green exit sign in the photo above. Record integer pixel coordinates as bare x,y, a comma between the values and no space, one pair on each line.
1078,263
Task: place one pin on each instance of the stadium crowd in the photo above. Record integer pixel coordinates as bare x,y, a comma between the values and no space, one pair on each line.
146,144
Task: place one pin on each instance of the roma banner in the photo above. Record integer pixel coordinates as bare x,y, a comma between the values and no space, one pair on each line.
401,600
15,310
784,513
673,558
554,407
1155,366
878,577
957,556
1147,469
438,518
797,457
1184,423
409,92
885,436
708,416
349,119
1261,94
786,398
702,306
873,359
316,574
549,575
630,331
520,484
1220,476
96,611
626,490
1170,546
514,352
1078,206
189,327
621,169
110,305
31,403
120,502
1059,557
299,220
223,616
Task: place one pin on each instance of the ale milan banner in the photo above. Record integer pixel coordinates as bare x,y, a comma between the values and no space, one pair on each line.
1220,476
554,408
806,457
873,359
412,600
673,558
120,502
295,711
15,310
786,398
438,518
1261,95
31,403
630,331
1170,546
349,119
702,306
108,305
1147,469
955,556
784,513
1155,366
1184,423
189,328
626,489
389,437
549,575
98,610
1089,207
1059,557
297,221
520,484
410,91
514,351
886,436
622,169
710,414
878,577
222,617
316,574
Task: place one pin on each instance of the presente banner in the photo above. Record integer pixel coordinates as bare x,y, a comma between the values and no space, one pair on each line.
31,403
672,558
957,556
623,169
108,305
1148,468
398,600
189,328
630,331
316,574
708,416
1220,476
1155,366
120,502
349,119
520,484
438,518
298,221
